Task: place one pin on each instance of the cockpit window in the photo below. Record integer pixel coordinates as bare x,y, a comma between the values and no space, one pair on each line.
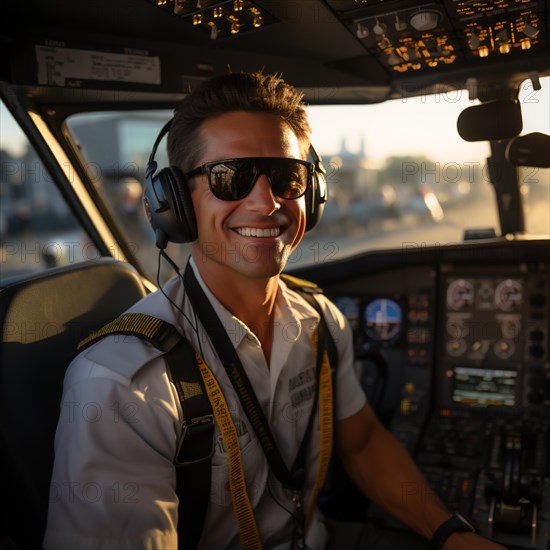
399,176
37,228
118,145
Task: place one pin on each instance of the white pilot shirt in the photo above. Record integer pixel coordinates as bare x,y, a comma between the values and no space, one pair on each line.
113,483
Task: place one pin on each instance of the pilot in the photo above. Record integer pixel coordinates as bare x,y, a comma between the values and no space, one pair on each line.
241,190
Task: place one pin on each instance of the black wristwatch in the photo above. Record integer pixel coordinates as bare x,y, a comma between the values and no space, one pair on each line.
457,522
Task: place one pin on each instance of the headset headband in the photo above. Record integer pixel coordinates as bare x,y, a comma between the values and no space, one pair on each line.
152,163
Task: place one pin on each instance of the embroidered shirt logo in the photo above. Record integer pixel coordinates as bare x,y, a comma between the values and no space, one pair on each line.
302,387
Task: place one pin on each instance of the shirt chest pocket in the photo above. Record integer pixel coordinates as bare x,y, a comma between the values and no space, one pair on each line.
254,469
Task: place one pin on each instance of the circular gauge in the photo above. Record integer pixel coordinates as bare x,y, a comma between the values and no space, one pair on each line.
457,327
460,293
508,294
349,307
504,349
510,328
383,319
457,347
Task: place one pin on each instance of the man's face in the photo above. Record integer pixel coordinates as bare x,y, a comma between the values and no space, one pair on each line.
255,235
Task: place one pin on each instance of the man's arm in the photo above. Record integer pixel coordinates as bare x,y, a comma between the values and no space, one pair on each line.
382,469
113,482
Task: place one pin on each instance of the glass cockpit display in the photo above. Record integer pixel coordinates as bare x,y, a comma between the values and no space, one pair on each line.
484,387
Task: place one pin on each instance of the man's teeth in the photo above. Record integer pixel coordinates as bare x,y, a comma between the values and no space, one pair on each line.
257,232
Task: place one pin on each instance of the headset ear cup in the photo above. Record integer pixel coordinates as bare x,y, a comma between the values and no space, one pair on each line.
317,195
310,202
169,208
185,210
315,201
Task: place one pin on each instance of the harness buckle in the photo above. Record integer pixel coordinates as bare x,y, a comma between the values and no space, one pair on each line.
201,427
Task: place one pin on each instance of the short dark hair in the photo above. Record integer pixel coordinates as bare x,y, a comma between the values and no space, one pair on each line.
251,92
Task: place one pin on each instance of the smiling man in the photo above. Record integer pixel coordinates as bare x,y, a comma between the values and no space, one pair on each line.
242,245
241,190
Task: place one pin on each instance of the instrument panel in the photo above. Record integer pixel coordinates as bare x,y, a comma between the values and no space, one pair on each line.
454,356
480,334
494,341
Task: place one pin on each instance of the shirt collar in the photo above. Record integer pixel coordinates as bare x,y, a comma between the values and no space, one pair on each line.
289,307
300,310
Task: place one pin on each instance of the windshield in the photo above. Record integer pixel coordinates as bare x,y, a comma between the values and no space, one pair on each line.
399,176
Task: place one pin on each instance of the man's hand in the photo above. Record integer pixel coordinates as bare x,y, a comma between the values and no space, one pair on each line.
470,541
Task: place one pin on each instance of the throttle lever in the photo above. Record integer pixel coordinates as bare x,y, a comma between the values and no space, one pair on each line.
512,467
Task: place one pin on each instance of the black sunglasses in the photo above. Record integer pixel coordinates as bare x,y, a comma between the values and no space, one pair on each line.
233,179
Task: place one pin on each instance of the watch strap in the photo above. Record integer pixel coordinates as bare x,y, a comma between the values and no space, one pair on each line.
452,525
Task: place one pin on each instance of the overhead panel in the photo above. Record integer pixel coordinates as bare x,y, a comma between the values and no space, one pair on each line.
221,19
408,37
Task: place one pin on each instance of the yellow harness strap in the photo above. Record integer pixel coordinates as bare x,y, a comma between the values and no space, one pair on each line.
248,532
325,435
156,331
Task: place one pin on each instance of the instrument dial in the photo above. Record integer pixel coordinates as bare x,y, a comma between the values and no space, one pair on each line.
509,294
455,348
383,319
460,294
504,349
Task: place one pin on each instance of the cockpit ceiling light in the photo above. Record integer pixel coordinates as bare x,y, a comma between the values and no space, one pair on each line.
483,51
219,18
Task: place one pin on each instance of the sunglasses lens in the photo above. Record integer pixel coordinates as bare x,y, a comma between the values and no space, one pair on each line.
233,180
288,178
224,184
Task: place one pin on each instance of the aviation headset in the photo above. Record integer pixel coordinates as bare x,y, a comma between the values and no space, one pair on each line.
169,209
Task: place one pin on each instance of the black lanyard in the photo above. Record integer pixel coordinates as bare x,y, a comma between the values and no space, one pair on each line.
295,477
